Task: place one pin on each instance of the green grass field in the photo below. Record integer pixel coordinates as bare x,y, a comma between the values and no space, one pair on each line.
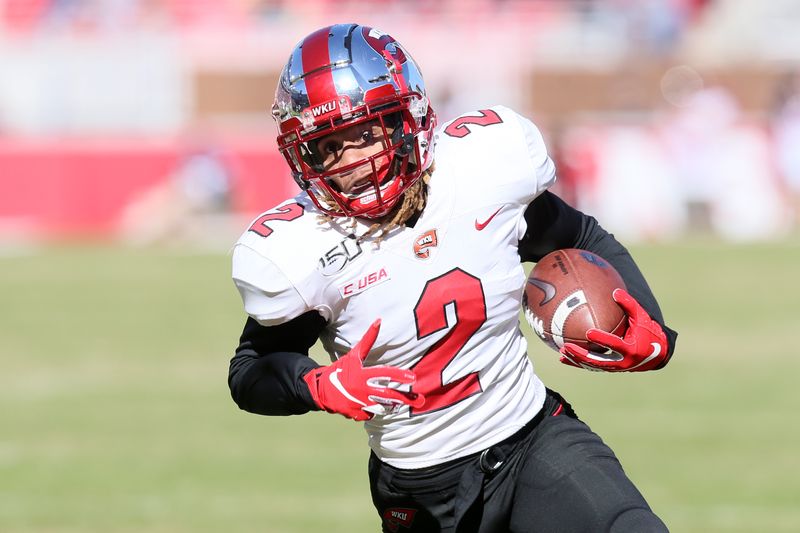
115,413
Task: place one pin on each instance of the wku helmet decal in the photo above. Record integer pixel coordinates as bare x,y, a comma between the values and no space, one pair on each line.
321,109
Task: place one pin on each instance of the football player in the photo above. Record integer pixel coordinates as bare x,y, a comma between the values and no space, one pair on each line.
408,268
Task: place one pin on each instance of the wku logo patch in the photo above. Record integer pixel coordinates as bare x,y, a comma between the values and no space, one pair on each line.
424,243
395,517
363,283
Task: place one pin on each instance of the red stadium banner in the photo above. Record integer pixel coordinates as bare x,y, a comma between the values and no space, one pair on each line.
81,188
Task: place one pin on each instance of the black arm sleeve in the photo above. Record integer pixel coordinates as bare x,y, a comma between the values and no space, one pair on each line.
553,224
266,373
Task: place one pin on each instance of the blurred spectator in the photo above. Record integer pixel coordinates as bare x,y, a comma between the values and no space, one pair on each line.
786,137
573,159
22,15
652,27
724,168
658,24
632,180
191,207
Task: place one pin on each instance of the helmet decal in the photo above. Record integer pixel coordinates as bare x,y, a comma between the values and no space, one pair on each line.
316,63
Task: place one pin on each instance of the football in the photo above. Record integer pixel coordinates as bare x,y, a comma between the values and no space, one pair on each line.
569,292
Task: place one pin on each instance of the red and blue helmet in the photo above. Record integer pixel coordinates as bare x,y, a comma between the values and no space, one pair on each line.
341,76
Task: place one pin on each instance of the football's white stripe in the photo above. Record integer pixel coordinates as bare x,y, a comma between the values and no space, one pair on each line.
564,309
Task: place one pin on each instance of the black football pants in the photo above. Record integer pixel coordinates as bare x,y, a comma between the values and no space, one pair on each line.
554,475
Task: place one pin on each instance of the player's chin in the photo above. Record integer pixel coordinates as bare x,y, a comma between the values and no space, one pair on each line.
362,183
358,186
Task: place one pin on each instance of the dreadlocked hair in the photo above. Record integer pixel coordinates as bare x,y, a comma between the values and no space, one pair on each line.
413,201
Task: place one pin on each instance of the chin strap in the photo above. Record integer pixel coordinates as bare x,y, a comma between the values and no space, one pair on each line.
407,148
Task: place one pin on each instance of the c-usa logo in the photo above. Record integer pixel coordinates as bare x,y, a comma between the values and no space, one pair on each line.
335,259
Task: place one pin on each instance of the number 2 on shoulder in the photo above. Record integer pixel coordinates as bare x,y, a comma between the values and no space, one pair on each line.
458,128
285,212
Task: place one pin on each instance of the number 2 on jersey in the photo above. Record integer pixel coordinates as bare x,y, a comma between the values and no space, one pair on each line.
465,293
458,128
286,212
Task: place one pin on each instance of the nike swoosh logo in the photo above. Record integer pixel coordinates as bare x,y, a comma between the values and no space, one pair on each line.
334,379
480,225
656,352
547,288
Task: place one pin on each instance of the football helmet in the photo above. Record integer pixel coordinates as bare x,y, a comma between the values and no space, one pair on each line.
343,76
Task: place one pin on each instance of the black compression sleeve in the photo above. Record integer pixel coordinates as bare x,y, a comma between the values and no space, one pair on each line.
553,224
266,373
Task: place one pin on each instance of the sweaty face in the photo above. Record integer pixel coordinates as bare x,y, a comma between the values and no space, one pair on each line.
346,147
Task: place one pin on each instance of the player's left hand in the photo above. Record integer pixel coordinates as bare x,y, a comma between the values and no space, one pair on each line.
642,347
356,391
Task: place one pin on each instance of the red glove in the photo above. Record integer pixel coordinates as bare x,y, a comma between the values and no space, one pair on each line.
643,347
358,392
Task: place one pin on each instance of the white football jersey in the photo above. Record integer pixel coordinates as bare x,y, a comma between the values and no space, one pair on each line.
447,291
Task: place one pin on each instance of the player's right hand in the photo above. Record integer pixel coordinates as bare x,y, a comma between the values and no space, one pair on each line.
349,388
642,347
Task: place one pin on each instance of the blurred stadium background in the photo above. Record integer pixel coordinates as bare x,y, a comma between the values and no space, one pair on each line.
136,142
